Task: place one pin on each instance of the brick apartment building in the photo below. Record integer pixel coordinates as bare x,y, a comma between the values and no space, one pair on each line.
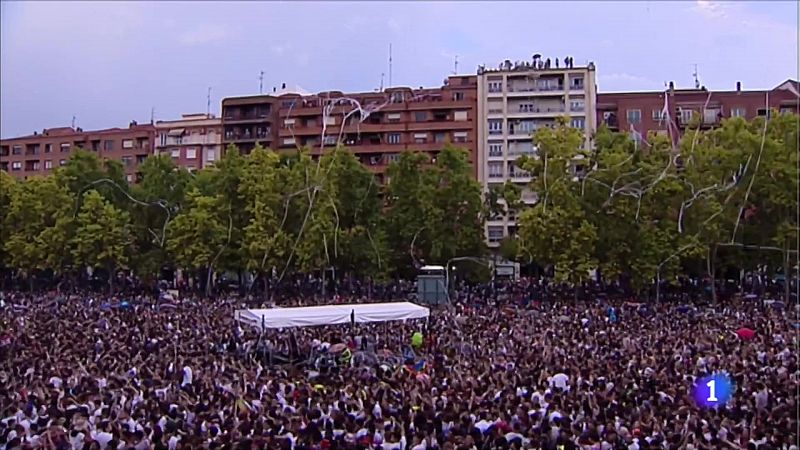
41,153
401,119
194,141
643,111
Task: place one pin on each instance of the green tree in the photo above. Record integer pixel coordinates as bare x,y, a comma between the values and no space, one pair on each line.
85,170
266,241
40,220
160,195
8,185
198,234
102,236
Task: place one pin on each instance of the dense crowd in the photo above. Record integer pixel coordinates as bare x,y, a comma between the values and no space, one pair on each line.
91,372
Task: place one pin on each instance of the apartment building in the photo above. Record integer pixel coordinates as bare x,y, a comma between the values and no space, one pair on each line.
400,119
642,113
249,120
41,153
514,101
194,141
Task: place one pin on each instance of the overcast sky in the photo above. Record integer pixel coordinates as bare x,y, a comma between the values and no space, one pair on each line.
109,63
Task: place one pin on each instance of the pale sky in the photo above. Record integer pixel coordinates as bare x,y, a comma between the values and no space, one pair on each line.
110,63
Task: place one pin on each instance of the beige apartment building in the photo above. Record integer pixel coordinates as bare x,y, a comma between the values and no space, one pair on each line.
515,100
194,141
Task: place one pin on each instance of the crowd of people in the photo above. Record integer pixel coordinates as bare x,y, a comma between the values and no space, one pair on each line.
89,372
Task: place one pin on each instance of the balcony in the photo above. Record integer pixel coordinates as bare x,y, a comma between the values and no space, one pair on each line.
32,150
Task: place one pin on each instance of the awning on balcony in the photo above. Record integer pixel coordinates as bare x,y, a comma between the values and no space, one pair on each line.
176,132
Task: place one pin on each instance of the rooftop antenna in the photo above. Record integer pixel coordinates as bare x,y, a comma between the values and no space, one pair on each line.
73,121
382,75
208,103
696,80
455,66
390,65
261,82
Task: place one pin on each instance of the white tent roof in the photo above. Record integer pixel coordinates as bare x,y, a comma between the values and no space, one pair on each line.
330,314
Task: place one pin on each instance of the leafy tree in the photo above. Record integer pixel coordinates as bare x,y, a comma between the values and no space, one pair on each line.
197,236
102,236
39,220
8,185
266,242
85,170
161,195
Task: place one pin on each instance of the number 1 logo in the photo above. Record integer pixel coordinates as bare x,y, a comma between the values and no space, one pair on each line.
712,391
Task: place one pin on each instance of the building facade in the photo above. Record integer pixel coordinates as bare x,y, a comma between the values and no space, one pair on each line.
513,102
375,126
194,141
249,120
41,153
642,113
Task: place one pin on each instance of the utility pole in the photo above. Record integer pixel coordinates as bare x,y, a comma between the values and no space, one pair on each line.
261,82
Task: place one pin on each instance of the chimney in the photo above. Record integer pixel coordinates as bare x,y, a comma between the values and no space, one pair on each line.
35,132
672,88
738,86
132,124
283,86
274,89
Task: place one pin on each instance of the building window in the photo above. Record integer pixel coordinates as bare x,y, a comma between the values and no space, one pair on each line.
634,116
460,116
16,165
658,114
495,127
288,123
163,139
175,153
62,162
495,233
397,97
785,110
17,149
48,164
578,122
577,83
127,143
458,96
288,141
460,136
420,138
48,148
710,115
495,149
65,147
495,170
330,120
439,137
108,145
393,157
129,178
211,155
127,160
495,86
394,138
576,105
393,117
686,115
191,153
761,112
421,116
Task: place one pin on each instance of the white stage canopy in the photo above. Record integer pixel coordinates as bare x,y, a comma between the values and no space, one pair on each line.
312,316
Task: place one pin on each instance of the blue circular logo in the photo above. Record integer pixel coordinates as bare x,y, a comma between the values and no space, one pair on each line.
713,390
